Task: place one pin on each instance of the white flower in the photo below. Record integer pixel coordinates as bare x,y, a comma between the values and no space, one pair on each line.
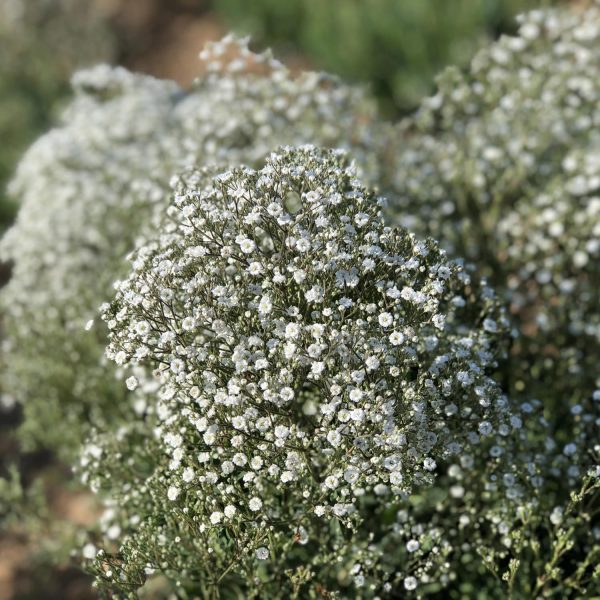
439,321
188,324
372,363
485,428
292,330
490,325
334,438
385,319
345,302
396,478
556,516
368,264
274,209
429,464
120,357
351,475
142,328
247,246
255,504
317,367
315,294
131,383
410,583
255,268
89,551
396,338
262,553
303,245
281,431
331,482
287,394
227,467
188,474
113,532
173,492
361,219
256,463
570,449
356,395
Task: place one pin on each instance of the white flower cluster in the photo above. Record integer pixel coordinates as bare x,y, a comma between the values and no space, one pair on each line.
307,401
89,188
502,166
150,516
309,357
512,514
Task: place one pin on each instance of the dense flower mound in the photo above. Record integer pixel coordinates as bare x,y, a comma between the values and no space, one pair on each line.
308,360
502,166
92,185
259,105
33,80
441,537
279,553
538,539
85,189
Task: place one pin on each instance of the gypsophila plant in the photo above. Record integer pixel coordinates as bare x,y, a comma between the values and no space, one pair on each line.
90,187
298,398
313,367
502,166
534,537
33,81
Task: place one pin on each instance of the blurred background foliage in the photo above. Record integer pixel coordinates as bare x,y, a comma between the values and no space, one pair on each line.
398,46
42,42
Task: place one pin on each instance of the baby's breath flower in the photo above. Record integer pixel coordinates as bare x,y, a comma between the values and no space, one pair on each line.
131,383
92,186
502,165
173,493
291,413
410,583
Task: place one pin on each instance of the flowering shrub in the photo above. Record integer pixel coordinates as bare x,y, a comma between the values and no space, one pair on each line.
537,537
502,166
98,179
311,363
33,80
310,402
